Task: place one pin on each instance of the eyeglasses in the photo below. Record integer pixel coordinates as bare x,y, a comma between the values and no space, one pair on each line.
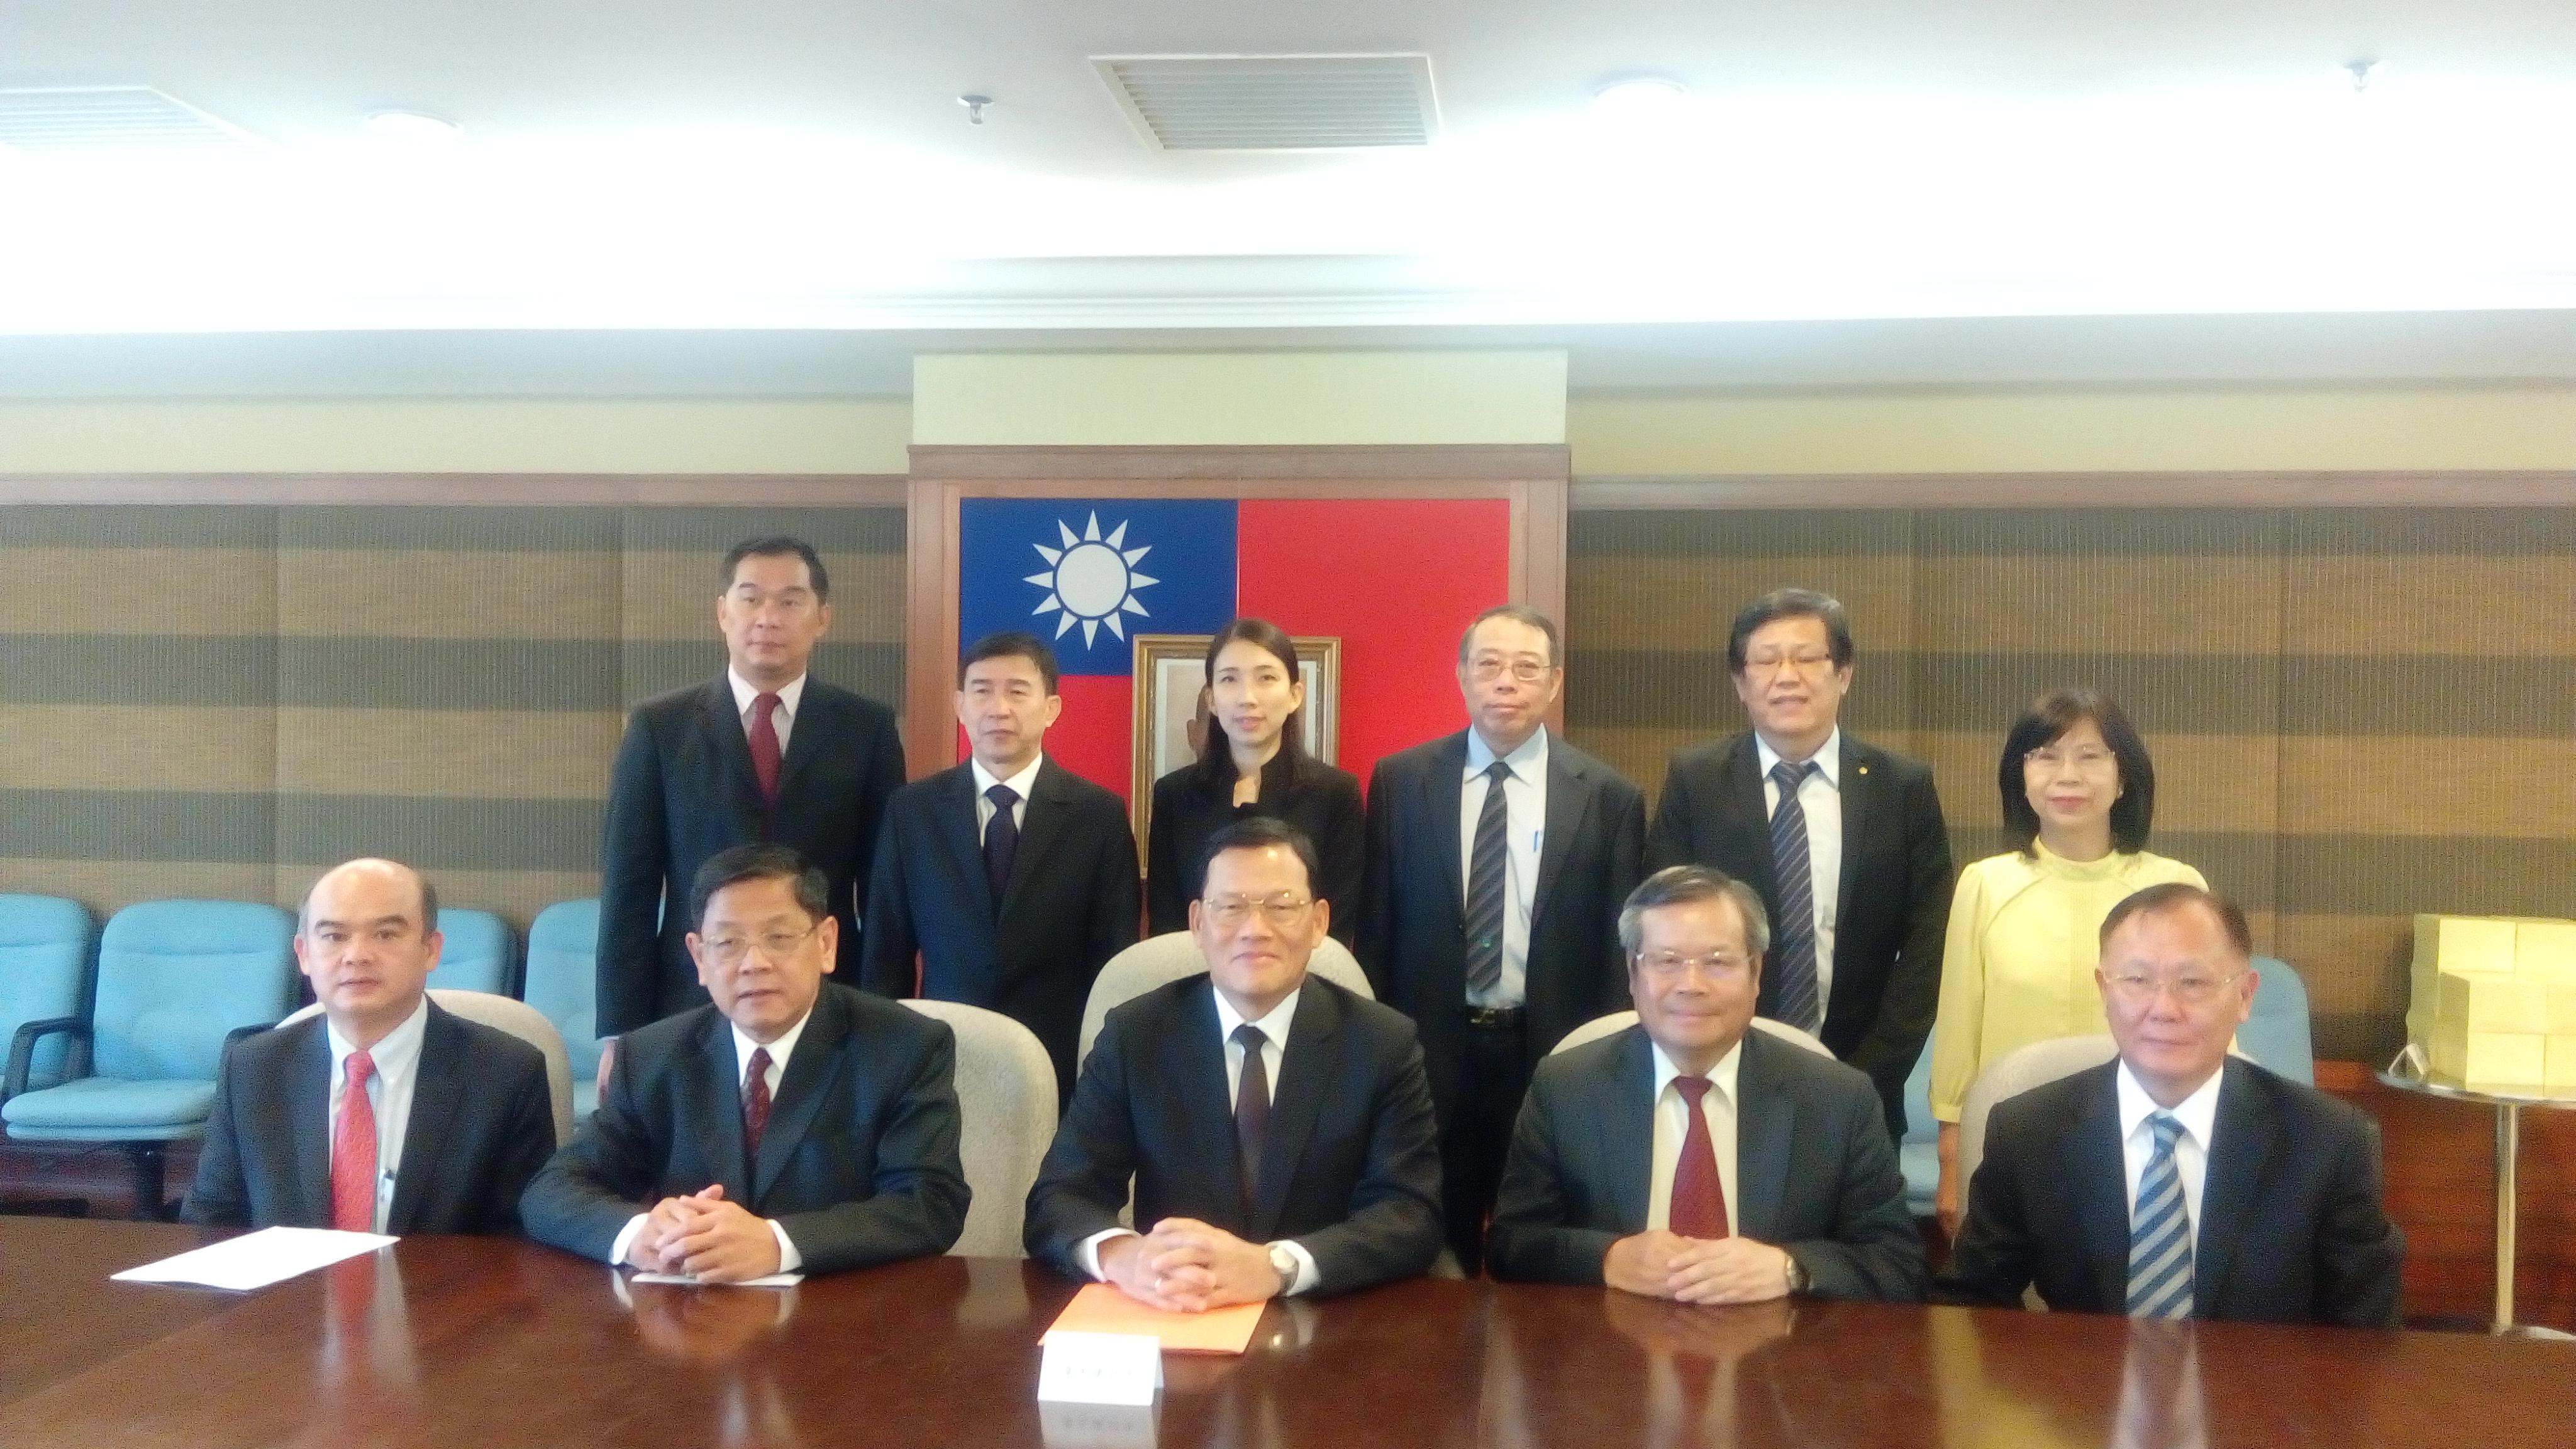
1671,965
774,945
1810,664
2191,988
1489,668
2090,759
1230,912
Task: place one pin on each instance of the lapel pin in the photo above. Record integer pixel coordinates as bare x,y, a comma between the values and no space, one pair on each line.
1864,769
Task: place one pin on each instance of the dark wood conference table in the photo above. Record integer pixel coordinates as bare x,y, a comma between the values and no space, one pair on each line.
463,1343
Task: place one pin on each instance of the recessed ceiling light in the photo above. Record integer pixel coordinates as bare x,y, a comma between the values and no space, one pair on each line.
1639,94
411,126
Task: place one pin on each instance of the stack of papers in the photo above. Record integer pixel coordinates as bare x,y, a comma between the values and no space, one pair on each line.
255,1260
1100,1308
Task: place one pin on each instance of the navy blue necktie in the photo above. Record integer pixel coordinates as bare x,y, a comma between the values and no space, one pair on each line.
1001,841
1486,867
2160,1267
1793,926
1251,1114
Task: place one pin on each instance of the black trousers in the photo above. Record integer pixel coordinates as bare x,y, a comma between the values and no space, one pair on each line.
1478,1134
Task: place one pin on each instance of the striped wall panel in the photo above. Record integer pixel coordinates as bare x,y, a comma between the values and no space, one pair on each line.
2356,714
220,701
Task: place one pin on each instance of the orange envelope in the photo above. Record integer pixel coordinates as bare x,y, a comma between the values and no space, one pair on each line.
1099,1308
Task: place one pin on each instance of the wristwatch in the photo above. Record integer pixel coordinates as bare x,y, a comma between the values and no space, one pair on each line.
1283,1263
1796,1275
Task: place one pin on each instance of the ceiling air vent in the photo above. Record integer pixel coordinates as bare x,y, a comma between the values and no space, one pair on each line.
1274,102
101,117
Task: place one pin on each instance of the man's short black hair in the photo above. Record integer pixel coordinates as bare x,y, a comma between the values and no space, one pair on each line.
1260,832
1792,604
776,545
1010,644
738,863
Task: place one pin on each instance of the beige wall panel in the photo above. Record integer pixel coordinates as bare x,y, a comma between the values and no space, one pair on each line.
1640,753
132,747
514,895
2503,789
106,886
2101,604
333,593
2352,964
196,591
493,754
1689,603
2204,783
673,596
2452,605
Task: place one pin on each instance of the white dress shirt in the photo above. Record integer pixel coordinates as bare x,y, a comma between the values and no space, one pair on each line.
1820,800
1020,784
781,719
1672,1124
789,1260
389,1091
1273,1027
1524,832
2198,1114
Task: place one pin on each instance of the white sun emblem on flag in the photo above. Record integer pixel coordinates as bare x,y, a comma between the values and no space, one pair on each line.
1093,580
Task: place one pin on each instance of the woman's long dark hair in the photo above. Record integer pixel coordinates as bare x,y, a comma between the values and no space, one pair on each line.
2045,723
1216,751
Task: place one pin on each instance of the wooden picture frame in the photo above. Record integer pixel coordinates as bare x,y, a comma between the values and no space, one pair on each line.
1170,689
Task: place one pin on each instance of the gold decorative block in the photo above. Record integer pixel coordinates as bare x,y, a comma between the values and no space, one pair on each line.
2483,1002
2559,1074
2545,948
2489,1061
2484,945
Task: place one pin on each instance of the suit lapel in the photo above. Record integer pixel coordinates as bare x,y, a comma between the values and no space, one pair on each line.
723,1075
438,1089
1299,1095
1441,794
2240,1160
2100,1188
804,737
1196,1067
1624,1127
956,824
802,1089
1569,797
1039,827
1765,1123
733,752
1856,791
1743,787
312,1124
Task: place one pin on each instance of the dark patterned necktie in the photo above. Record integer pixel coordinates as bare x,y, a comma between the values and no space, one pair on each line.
755,1102
1251,1114
1698,1208
1793,926
1001,840
763,738
1486,869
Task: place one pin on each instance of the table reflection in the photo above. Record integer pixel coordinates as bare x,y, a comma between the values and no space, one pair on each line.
733,1334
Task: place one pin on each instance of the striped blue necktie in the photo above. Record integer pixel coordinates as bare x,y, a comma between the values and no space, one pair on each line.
2160,1233
1487,862
1793,926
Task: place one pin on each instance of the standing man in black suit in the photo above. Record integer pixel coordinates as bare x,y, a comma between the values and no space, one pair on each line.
1843,841
1497,860
1689,1157
788,1126
1324,1182
763,753
383,1113
2177,1181
1011,876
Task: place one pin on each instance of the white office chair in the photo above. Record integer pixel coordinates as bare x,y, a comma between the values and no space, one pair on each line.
1158,960
2012,1074
1006,1100
518,1019
1619,1021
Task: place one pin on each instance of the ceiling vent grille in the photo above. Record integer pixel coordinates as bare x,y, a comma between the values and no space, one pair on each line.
107,117
1274,102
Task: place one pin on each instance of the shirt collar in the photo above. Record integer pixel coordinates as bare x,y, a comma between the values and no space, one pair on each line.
1020,783
1529,762
2198,1113
744,693
779,1050
1828,758
1274,1025
1722,1076
394,1056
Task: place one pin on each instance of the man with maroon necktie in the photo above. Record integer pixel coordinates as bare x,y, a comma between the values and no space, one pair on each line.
1688,1157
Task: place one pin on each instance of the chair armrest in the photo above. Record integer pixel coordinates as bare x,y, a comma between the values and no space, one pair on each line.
22,1050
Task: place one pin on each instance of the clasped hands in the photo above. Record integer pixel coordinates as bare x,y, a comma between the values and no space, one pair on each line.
1659,1264
1187,1266
707,1236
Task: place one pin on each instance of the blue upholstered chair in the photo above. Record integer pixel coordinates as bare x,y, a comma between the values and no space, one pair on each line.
1919,1155
174,978
45,956
2276,1035
479,954
563,982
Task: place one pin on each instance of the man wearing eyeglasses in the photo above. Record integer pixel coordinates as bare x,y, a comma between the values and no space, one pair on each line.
1687,1157
1277,1127
1497,858
1843,841
2177,1181
789,1126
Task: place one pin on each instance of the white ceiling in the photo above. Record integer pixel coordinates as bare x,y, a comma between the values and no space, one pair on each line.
785,196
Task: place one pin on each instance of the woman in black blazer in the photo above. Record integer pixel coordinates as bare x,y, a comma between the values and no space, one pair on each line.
1253,764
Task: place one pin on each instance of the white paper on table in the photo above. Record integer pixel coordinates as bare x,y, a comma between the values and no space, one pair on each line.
255,1260
687,1280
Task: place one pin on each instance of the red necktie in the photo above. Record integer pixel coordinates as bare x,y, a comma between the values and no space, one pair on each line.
353,1153
755,1102
764,746
1699,1200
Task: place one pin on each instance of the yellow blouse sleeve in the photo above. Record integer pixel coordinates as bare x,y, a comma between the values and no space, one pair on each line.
1956,1025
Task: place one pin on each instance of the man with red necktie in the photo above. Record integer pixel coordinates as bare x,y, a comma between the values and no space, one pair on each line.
1688,1157
764,753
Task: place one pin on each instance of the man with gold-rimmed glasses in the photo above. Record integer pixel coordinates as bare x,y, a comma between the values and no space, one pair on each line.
1277,1127
791,1125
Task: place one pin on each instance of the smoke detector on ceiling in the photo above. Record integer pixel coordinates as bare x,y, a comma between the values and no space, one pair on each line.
1274,102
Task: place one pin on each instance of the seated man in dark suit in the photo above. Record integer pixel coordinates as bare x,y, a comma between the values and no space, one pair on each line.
791,1125
1329,1182
1690,1158
2176,1182
448,1118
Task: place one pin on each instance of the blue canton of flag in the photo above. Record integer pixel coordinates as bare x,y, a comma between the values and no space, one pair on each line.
1087,574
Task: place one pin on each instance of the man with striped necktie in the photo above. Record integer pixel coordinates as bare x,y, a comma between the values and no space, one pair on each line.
2176,1181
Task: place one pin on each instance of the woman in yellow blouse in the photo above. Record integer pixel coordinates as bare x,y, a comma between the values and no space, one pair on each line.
2078,794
